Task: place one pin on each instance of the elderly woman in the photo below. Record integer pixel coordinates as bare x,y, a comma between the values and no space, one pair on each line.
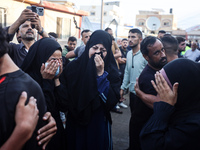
91,84
175,123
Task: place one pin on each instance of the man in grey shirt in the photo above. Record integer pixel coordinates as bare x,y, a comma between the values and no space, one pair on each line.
79,50
192,53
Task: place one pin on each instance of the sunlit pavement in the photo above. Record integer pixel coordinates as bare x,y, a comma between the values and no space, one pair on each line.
120,127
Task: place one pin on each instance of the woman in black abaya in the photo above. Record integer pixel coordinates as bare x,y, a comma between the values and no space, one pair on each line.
48,51
92,88
175,124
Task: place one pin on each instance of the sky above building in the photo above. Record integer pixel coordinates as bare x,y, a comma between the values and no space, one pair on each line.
187,13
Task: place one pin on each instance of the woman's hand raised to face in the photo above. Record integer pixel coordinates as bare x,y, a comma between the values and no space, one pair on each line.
165,93
99,64
49,71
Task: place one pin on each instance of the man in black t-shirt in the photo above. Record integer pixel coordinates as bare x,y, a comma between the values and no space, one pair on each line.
13,82
153,51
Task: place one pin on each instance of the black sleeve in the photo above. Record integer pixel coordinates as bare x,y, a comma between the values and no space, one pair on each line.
48,89
61,97
157,134
113,93
145,84
9,36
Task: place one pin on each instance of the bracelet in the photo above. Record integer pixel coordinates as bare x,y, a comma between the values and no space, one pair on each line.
41,33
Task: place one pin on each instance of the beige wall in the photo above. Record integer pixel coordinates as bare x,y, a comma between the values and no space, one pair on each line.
14,9
162,18
50,23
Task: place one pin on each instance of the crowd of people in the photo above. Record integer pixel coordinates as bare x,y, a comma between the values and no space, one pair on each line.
61,98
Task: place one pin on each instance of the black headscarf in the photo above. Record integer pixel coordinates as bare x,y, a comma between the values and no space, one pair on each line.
82,83
39,53
186,73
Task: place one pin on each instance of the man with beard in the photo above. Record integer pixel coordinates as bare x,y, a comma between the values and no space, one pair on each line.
26,23
153,51
171,51
122,60
181,46
135,63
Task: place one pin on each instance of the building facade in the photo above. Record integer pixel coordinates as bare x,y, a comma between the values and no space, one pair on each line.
61,19
154,20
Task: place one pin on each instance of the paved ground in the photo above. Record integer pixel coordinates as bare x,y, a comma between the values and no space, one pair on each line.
120,127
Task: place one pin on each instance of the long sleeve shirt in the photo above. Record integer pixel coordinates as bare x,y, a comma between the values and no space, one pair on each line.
160,133
103,86
134,66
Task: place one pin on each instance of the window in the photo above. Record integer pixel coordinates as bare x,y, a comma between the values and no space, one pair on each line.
2,17
141,23
63,28
92,13
166,23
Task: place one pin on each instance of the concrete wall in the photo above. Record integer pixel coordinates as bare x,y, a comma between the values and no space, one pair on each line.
13,10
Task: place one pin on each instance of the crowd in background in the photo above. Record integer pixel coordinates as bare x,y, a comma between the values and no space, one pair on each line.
55,97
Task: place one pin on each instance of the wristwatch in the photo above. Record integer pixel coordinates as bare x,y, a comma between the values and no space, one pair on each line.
41,33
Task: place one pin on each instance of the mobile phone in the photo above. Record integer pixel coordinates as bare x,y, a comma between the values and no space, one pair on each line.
38,10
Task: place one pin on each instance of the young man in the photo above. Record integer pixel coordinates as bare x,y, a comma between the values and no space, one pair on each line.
181,45
71,45
12,82
79,50
122,60
135,63
122,64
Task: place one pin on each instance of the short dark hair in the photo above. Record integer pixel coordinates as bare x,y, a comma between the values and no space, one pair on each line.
162,31
167,34
170,45
53,34
72,38
3,42
146,42
180,39
86,30
124,39
135,30
107,29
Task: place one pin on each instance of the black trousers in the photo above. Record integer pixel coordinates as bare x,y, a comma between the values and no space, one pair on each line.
132,98
134,143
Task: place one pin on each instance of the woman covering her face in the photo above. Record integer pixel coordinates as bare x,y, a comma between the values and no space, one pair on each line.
48,54
175,124
92,90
